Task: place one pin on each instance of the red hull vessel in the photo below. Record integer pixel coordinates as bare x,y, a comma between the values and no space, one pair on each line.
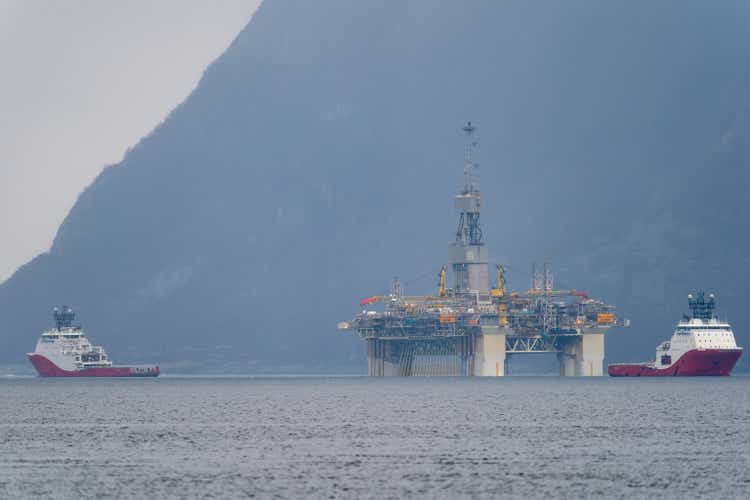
65,351
711,362
701,345
47,368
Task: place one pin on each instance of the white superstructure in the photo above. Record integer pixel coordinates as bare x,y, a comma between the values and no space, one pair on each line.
68,347
695,334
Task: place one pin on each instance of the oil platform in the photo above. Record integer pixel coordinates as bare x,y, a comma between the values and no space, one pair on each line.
472,329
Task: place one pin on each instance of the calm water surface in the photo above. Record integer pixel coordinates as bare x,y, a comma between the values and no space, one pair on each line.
528,437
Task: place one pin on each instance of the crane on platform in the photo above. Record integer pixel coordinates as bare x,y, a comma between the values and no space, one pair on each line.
442,283
500,293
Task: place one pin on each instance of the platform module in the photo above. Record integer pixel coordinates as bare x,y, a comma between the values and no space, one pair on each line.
472,329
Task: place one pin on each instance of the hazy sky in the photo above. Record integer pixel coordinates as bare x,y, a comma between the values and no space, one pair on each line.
82,81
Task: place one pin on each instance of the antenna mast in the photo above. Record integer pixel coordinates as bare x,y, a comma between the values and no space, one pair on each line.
469,165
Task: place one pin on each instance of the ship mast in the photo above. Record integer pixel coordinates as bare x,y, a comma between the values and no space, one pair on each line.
64,317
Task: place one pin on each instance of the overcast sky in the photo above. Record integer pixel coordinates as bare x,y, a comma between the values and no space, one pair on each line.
81,81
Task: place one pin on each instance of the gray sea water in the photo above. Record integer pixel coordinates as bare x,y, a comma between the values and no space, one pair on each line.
531,437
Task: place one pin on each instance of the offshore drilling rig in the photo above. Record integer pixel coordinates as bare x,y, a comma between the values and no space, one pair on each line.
472,329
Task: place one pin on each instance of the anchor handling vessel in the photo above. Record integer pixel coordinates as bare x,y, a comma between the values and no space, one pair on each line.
700,345
65,351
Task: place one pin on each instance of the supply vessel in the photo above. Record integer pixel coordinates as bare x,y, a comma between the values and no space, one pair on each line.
700,345
65,351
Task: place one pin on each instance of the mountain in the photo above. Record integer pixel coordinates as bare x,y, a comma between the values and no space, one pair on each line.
318,156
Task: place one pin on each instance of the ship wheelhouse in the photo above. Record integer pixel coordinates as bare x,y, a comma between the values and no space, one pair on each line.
71,342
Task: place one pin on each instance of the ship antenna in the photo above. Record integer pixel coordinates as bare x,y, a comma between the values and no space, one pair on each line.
64,317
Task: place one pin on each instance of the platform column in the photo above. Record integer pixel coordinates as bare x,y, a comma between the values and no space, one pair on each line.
370,357
582,356
381,358
569,353
465,355
591,363
490,352
375,354
391,353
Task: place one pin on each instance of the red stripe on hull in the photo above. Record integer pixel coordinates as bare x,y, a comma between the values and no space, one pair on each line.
47,368
708,362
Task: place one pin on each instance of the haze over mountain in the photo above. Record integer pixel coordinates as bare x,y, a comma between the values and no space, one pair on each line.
82,82
318,156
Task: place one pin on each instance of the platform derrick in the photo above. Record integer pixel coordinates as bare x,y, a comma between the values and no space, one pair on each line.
472,329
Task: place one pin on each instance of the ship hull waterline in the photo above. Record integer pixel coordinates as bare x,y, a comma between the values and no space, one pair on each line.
46,368
694,363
